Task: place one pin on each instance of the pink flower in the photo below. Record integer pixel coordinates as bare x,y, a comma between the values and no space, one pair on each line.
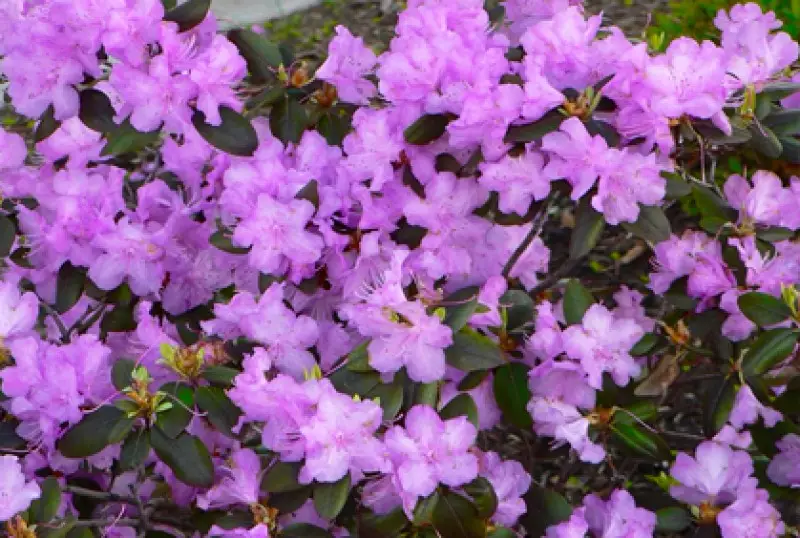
747,410
259,531
751,516
16,494
618,517
240,483
18,311
602,344
575,156
429,451
349,60
715,475
12,150
517,180
510,482
784,469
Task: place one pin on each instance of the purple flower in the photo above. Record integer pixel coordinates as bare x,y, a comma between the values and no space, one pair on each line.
510,482
18,311
16,494
575,527
517,180
602,344
784,469
239,484
697,256
546,342
751,516
259,531
618,517
747,410
277,232
349,60
12,150
429,451
575,156
714,476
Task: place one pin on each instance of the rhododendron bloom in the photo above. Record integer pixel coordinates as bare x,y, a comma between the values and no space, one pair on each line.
349,60
715,475
784,469
16,493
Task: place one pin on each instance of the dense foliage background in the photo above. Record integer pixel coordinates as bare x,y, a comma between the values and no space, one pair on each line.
517,275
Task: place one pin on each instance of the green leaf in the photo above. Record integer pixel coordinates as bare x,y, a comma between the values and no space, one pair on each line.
135,450
382,526
502,532
519,309
69,287
119,320
791,149
763,309
711,204
589,226
221,411
174,420
282,478
789,400
189,14
309,193
780,90
120,430
473,379
220,376
9,440
334,127
96,111
784,122
186,456
426,394
353,383
126,139
512,393
423,511
765,141
672,519
390,396
426,129
456,517
461,405
290,501
641,441
224,243
577,301
473,351
329,498
288,120
92,434
483,496
638,411
45,508
358,359
677,187
534,131
545,508
770,348
47,125
652,224
766,439
261,54
304,530
235,135
121,373
645,345
460,306
8,234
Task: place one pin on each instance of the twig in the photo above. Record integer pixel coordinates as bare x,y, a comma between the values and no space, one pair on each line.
57,320
126,522
100,495
536,229
553,278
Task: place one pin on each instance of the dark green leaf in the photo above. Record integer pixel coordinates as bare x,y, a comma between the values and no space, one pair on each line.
473,379
461,405
519,309
456,517
483,496
652,224
334,127
423,511
121,373
390,397
69,286
766,439
502,532
290,501
589,226
8,234
135,450
770,348
791,149
120,430
9,440
282,478
20,257
261,54
174,420
96,111
220,410
126,139
189,14
47,125
91,435
235,135
472,351
220,376
426,394
763,309
645,345
329,499
779,90
534,131
789,400
784,122
677,187
119,320
636,412
426,129
358,359
773,234
353,383
186,456
545,508
641,441
577,301
460,306
288,120
223,242
382,526
310,193
304,530
711,204
45,508
512,394
672,519
765,141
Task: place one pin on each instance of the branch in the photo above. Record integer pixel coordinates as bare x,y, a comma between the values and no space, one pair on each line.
536,228
553,278
56,319
100,495
124,522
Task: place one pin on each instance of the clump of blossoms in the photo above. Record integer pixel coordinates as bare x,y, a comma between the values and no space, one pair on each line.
516,262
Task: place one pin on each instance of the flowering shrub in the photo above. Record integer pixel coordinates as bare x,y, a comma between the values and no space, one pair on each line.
516,276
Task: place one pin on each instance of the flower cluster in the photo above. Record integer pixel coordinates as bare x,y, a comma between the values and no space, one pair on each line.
246,295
